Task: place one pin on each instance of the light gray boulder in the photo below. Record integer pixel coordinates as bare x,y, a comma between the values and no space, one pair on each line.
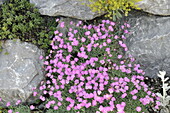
20,71
68,8
156,7
149,42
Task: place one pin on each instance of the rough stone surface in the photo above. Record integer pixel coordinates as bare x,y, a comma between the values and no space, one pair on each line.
67,25
20,71
157,7
149,42
2,1
68,8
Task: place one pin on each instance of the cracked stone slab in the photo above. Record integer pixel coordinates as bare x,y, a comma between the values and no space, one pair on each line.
20,71
149,42
68,8
156,7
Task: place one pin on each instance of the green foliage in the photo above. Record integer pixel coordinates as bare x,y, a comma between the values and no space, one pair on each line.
90,34
114,8
21,109
19,19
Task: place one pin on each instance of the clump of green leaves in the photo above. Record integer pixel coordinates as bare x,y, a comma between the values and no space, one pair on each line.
19,19
114,8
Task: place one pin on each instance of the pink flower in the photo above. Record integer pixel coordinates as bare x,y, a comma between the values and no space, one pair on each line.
116,37
120,107
107,96
47,105
18,102
134,91
71,22
68,108
123,37
149,92
94,103
10,111
103,21
126,31
112,23
57,20
62,24
102,61
32,107
127,25
122,26
134,97
75,43
111,90
46,63
128,71
107,21
75,31
99,34
41,57
119,56
107,49
156,107
104,44
111,28
88,105
70,48
8,104
82,49
55,107
42,98
109,40
124,95
138,87
123,104
100,46
113,99
158,103
101,108
89,26
83,39
60,34
138,109
87,33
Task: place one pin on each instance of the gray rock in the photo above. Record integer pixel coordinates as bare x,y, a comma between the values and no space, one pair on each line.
20,71
67,25
157,7
149,42
68,8
2,1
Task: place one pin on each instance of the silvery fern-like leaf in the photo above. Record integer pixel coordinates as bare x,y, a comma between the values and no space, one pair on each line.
164,110
160,76
165,102
168,98
162,104
159,95
166,79
166,87
163,73
164,98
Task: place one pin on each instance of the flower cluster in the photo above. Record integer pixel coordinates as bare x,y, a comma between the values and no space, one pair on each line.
86,69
